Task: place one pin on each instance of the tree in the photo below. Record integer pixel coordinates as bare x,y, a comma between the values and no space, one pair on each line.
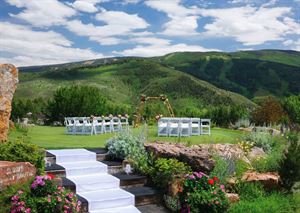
291,105
270,111
75,101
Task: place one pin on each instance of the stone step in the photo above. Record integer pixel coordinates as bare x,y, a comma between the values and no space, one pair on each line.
101,154
113,167
143,196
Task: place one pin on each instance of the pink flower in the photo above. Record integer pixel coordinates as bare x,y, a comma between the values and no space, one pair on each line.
222,186
191,177
15,198
20,192
49,199
214,192
217,202
28,210
58,199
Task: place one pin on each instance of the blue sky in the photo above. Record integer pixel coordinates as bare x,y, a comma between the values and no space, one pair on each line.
36,32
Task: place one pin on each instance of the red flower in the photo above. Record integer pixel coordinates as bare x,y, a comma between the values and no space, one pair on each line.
215,178
51,176
211,181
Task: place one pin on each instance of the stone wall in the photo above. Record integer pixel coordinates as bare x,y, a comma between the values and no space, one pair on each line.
8,82
15,172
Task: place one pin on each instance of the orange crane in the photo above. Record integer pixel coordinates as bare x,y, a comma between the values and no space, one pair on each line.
143,100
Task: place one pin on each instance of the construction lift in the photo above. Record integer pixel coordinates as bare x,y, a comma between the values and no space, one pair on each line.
143,100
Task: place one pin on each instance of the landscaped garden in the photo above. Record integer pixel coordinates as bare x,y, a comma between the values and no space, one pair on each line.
239,167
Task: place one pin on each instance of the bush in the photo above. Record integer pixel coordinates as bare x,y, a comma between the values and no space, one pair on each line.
164,171
44,197
201,193
125,145
76,101
270,163
261,139
290,166
22,150
249,191
223,169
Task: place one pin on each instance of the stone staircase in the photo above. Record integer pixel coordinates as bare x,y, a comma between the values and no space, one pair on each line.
134,184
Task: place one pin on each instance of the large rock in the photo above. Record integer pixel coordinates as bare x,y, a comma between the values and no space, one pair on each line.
15,172
197,157
8,81
270,180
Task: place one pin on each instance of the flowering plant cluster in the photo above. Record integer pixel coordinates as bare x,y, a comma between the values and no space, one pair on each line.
200,193
246,146
45,197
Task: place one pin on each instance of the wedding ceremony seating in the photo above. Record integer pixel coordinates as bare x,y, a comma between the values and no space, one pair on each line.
183,127
95,125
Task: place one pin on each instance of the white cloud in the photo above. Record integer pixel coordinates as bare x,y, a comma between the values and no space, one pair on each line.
183,20
117,24
42,13
21,46
85,6
292,44
130,1
120,18
161,49
251,25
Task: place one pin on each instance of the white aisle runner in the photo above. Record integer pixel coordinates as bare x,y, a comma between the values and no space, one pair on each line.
92,181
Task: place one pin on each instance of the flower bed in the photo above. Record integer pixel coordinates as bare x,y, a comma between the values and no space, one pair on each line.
44,197
199,192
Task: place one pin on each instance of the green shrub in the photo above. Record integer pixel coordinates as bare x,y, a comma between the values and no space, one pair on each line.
201,193
124,144
76,100
290,167
276,202
21,150
223,169
241,167
261,139
270,163
249,191
165,170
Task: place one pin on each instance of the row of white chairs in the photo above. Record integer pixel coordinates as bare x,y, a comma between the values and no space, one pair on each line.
95,125
184,127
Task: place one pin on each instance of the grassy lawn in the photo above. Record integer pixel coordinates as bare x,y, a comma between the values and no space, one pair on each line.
55,137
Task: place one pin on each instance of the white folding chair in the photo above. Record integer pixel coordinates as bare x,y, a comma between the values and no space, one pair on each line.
185,127
98,127
78,125
174,127
163,127
124,123
69,123
195,126
205,126
87,126
115,124
107,124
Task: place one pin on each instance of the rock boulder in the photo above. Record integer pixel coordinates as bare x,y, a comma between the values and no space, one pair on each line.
198,158
8,81
270,180
15,172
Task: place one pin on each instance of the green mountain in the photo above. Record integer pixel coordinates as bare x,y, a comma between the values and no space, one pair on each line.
190,79
123,80
249,73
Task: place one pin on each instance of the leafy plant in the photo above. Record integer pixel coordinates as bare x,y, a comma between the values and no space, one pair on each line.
289,168
21,150
201,193
261,139
224,168
165,170
44,197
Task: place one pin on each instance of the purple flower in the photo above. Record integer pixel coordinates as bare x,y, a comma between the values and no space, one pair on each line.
198,174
